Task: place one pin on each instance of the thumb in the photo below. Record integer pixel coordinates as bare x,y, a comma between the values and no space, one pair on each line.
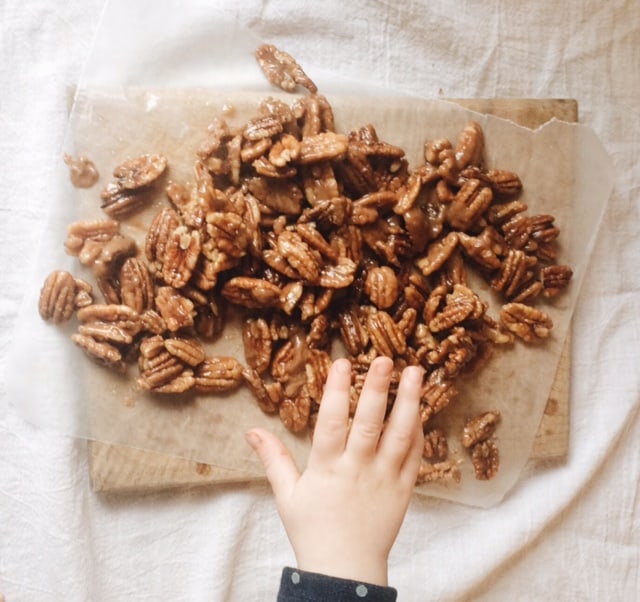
279,466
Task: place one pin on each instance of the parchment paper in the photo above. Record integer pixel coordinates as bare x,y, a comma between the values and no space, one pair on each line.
564,172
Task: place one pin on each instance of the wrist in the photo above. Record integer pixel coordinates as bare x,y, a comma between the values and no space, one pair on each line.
357,567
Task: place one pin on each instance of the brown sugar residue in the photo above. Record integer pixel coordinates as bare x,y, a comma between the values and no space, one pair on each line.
82,171
203,469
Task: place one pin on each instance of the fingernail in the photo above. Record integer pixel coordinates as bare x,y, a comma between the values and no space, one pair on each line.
414,375
342,366
383,365
253,439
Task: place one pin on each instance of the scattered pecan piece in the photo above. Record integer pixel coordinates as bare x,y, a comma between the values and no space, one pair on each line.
528,323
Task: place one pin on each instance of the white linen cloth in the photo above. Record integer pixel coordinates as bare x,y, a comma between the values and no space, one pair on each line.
570,531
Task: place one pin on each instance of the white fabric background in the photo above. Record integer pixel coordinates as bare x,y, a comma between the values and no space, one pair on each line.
568,531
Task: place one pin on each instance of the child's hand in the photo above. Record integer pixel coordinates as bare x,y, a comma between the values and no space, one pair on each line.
343,513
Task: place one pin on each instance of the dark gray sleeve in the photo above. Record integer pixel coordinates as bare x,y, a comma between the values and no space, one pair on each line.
301,586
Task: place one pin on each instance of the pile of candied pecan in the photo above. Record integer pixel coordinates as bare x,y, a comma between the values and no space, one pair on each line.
314,235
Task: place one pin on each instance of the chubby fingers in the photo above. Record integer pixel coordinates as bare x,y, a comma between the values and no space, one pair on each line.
330,433
279,466
372,405
403,425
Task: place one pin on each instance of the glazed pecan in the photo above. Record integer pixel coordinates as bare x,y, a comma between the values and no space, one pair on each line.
437,392
251,292
386,336
480,428
468,205
102,352
180,256
295,412
528,323
555,278
351,324
486,459
176,310
256,338
381,286
218,375
470,146
268,395
322,147
441,472
58,297
136,286
282,70
437,253
188,351
436,447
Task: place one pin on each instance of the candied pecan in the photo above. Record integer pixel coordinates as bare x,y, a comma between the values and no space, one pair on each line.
123,194
290,296
480,428
486,459
281,69
176,310
495,332
83,293
96,230
338,275
318,337
300,256
295,412
327,213
209,320
58,297
136,286
437,253
279,196
313,304
528,323
102,352
470,146
514,274
460,305
471,201
228,232
435,445
317,370
140,172
287,366
381,285
188,351
152,322
256,339
251,292
262,127
437,392
157,237
251,151
434,302
554,278
454,352
386,336
442,472
285,150
268,395
320,184
122,315
477,249
218,374
180,384
310,234
517,231
504,183
389,240
351,324
503,212
321,147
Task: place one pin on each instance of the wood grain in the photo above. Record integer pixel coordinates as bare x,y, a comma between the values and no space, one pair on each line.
118,468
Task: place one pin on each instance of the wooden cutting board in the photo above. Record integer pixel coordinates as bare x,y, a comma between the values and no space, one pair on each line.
117,468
